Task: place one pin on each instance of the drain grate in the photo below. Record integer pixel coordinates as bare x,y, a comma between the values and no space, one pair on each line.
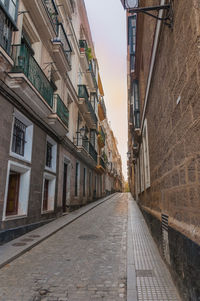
34,235
27,239
88,237
19,244
144,273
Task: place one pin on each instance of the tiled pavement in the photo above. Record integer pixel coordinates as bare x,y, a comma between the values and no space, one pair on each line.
89,260
152,278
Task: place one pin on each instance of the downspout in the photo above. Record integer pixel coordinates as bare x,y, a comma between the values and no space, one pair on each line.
153,57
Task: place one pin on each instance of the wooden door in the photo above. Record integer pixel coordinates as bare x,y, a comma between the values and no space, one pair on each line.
13,194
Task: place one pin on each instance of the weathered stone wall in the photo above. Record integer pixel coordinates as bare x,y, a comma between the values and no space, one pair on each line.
174,137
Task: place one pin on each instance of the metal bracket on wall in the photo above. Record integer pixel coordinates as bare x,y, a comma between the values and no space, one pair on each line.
167,20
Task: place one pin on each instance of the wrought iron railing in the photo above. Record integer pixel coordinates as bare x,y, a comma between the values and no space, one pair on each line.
102,103
25,62
92,152
102,163
81,141
137,119
52,12
83,44
83,93
102,134
65,42
93,75
6,30
61,110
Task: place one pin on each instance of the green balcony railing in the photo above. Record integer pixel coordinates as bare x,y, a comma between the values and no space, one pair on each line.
6,30
102,163
61,109
25,62
93,75
81,141
92,152
62,36
102,134
137,119
102,103
52,12
83,93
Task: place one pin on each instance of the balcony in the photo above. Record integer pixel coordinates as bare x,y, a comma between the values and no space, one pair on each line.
92,152
101,109
83,54
101,138
46,14
86,107
59,119
137,130
101,164
62,50
81,142
30,83
6,30
91,77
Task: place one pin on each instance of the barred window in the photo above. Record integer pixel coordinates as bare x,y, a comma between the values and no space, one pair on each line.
49,154
19,133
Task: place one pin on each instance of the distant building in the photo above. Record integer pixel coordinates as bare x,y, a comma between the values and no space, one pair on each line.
164,131
50,157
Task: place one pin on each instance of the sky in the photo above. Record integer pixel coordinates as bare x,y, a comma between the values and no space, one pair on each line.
108,26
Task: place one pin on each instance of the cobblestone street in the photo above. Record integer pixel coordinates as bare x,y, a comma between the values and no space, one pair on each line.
107,254
85,261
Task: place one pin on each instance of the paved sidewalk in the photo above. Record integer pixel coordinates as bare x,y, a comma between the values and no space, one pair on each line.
148,278
22,244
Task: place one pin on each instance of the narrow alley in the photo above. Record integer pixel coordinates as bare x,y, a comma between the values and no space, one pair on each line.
89,260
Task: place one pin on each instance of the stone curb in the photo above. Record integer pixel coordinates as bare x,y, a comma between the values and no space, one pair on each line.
131,272
8,252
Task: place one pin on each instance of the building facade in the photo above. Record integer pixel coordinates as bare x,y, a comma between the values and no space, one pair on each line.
50,158
163,119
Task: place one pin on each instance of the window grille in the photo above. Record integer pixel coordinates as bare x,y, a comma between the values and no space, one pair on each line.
19,134
49,154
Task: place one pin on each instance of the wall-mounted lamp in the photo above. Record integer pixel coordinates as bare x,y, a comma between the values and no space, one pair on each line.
82,131
133,7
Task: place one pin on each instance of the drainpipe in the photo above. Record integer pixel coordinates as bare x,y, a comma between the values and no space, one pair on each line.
153,57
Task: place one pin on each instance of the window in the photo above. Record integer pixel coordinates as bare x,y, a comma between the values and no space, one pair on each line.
136,104
51,154
17,190
48,199
76,178
84,181
22,136
90,183
19,132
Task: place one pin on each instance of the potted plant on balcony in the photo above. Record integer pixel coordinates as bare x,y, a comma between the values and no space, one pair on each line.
89,54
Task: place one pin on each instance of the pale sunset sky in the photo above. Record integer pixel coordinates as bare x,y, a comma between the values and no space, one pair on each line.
108,26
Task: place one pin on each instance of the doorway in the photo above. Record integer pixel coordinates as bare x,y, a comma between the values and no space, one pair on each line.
64,198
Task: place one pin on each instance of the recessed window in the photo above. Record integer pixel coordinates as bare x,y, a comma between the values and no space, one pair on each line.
77,179
51,153
22,136
19,134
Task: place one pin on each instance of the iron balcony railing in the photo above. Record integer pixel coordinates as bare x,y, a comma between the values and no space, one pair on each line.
102,134
52,12
92,152
6,30
25,62
102,103
62,36
81,141
83,93
93,75
61,110
102,163
137,119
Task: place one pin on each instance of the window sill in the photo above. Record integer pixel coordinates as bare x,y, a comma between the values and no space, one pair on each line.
49,169
46,212
22,158
13,217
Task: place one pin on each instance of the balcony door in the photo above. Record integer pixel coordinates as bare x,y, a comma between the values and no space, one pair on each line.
64,198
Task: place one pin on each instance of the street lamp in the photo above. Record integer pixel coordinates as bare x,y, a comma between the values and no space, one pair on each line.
133,8
82,131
